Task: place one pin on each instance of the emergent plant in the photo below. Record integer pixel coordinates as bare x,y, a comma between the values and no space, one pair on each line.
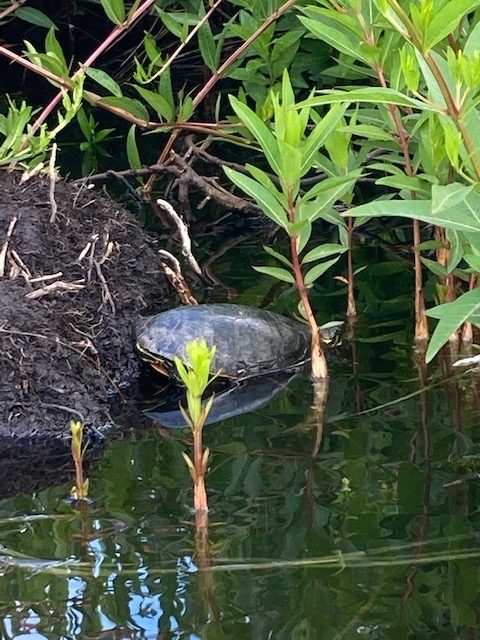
291,150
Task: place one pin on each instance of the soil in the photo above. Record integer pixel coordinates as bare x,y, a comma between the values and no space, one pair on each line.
71,291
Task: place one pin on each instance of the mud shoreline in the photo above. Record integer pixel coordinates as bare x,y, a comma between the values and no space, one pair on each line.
71,290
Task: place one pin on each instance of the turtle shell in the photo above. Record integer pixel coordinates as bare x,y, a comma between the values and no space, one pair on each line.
249,341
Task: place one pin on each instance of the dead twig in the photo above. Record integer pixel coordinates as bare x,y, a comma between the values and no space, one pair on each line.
18,267
3,251
183,230
53,288
106,295
49,276
208,186
176,278
52,174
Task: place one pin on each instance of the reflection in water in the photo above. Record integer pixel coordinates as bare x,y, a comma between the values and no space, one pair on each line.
356,536
238,398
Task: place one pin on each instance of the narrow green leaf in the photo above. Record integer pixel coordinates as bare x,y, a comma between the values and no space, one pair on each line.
473,261
206,44
278,273
323,251
326,187
260,132
303,236
174,24
34,16
438,269
263,178
278,256
320,134
318,270
402,181
369,131
53,46
377,95
132,149
471,45
162,107
134,107
461,218
115,10
187,109
104,80
451,316
446,197
265,200
341,40
455,240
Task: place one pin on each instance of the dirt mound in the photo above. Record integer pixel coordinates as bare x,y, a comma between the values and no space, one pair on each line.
70,292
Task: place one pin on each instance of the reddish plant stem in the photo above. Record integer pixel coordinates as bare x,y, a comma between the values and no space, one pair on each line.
109,40
200,494
421,324
351,306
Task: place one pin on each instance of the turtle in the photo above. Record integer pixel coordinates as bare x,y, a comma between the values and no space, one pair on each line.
249,341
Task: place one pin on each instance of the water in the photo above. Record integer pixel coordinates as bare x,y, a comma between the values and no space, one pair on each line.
372,534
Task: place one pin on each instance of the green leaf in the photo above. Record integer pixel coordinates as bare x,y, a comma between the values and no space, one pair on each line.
438,269
206,44
173,24
451,316
260,132
278,256
377,95
446,20
455,240
473,261
263,178
265,200
325,188
369,131
320,134
318,270
463,217
323,251
115,10
104,80
445,197
53,46
162,107
471,45
132,149
34,16
278,273
291,162
341,40
402,181
134,107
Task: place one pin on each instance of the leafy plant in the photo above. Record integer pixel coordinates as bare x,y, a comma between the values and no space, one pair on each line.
426,63
80,489
291,151
196,376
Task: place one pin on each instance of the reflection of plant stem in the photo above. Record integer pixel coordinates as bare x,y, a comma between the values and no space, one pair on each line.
320,396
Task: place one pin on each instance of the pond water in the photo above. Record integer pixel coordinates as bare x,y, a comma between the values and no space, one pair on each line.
365,526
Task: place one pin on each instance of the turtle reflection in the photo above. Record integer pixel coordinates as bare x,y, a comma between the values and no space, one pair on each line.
236,399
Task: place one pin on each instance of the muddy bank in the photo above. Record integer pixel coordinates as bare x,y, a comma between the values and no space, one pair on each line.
70,291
